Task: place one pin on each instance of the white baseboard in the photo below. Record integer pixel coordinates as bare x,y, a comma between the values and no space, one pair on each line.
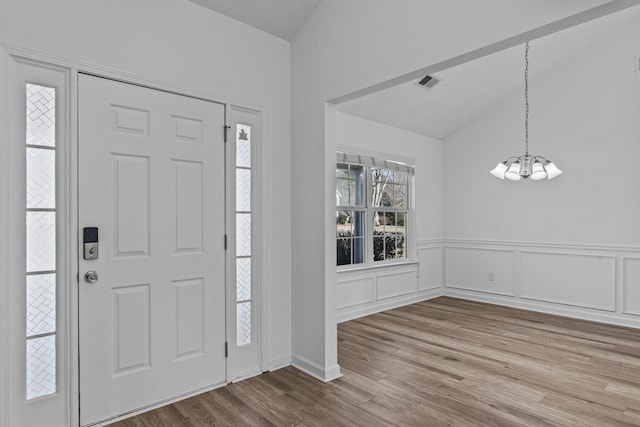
310,368
279,363
549,308
354,312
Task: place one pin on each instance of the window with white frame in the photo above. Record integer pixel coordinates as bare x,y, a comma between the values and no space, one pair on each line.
372,210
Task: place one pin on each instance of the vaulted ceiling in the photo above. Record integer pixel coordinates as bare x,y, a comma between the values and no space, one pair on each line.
467,90
282,18
464,91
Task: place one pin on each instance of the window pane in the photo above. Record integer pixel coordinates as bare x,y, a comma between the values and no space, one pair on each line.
343,251
399,196
389,235
378,222
41,178
243,190
41,304
400,218
378,246
389,221
400,246
343,191
41,366
41,241
355,172
243,279
381,187
41,115
349,185
344,224
243,145
243,234
243,323
389,246
358,218
342,170
350,224
358,250
342,219
356,197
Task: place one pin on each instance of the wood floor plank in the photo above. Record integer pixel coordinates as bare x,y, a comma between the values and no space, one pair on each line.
442,362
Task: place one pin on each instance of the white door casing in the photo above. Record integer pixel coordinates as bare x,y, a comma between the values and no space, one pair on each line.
151,178
47,367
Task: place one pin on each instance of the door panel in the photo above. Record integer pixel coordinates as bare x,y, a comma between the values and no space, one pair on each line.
151,178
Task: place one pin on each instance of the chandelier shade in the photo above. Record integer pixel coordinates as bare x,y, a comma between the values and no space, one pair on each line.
527,165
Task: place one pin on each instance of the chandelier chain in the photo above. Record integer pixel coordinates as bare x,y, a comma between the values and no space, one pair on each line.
526,99
526,166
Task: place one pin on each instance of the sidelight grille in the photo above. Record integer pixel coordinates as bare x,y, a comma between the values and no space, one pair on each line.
243,235
40,241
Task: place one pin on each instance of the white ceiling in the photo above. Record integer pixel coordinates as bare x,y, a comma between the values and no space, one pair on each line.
282,18
467,90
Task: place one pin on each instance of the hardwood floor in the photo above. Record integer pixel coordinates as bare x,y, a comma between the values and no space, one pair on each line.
442,362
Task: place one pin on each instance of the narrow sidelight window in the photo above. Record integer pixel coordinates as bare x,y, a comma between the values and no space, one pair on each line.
40,281
243,235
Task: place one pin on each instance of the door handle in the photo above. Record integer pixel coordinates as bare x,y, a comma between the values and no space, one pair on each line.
91,276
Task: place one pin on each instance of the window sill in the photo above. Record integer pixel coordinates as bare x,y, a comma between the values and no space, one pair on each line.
373,267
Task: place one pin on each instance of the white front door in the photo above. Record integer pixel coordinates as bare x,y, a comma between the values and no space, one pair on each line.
151,179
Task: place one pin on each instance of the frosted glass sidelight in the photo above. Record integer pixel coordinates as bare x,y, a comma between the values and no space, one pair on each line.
243,325
243,190
41,304
41,178
243,234
243,145
41,115
41,241
40,195
243,279
41,366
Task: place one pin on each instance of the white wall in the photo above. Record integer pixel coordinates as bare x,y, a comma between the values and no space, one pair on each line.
346,46
182,45
568,245
371,290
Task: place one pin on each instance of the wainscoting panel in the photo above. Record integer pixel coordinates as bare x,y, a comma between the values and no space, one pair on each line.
364,291
430,268
481,269
631,284
573,279
356,291
592,282
397,283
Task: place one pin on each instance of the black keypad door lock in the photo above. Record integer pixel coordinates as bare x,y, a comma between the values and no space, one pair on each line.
90,240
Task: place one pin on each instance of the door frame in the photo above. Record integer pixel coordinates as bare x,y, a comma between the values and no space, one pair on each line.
10,53
19,70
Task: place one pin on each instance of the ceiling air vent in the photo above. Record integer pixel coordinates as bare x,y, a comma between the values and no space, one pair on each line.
428,82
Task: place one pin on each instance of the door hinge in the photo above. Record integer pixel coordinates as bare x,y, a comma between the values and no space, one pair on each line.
226,349
225,242
226,129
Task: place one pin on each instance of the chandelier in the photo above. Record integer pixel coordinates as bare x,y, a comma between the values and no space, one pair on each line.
527,165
